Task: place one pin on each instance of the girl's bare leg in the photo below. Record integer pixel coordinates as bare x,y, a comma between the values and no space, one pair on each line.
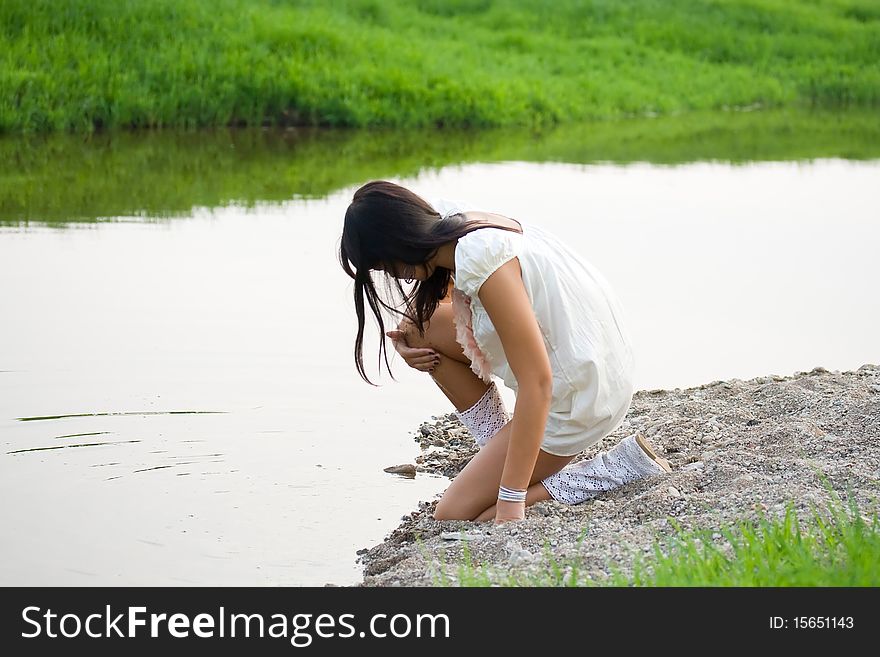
474,490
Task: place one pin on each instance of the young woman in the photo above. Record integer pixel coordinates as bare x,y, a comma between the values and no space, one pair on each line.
494,295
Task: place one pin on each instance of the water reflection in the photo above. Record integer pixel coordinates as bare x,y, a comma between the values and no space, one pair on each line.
156,175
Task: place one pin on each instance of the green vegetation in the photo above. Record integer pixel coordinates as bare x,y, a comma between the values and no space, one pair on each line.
841,548
81,64
61,178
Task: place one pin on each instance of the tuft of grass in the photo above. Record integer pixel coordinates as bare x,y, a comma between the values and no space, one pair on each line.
838,551
82,65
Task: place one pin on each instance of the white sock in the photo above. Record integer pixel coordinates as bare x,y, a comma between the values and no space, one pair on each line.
486,416
623,463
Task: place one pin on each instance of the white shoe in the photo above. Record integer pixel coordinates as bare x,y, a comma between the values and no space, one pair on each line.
630,459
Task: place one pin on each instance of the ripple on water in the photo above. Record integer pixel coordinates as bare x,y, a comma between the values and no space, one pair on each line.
40,449
60,417
172,460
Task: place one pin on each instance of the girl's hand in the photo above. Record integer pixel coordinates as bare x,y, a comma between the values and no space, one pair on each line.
424,360
509,511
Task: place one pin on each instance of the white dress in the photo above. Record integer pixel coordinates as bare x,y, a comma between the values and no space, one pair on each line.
582,322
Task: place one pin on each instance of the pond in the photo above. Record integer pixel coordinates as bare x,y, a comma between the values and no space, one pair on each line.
178,398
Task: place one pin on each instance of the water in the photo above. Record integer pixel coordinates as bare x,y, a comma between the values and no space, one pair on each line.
178,401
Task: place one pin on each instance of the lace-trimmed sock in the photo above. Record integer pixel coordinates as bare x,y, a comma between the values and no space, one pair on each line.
486,416
623,463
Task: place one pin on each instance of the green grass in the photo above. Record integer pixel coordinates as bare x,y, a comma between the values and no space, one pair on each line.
85,64
57,179
837,548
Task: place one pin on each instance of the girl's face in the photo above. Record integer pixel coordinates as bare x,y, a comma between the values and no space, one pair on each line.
404,271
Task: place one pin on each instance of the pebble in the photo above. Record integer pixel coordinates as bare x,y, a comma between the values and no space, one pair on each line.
520,556
460,536
406,469
672,490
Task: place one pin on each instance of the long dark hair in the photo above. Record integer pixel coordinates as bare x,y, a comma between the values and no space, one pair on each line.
388,223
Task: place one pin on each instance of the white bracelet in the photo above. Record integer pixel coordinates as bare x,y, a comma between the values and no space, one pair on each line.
511,495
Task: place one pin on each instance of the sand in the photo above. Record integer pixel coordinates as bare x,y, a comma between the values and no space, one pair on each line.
739,449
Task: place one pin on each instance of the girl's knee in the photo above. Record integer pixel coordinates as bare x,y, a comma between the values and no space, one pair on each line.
434,328
447,511
440,328
411,334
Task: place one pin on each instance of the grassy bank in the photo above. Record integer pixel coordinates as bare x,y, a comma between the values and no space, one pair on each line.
81,64
61,178
838,548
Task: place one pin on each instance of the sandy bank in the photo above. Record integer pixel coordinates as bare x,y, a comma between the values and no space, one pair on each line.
737,448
